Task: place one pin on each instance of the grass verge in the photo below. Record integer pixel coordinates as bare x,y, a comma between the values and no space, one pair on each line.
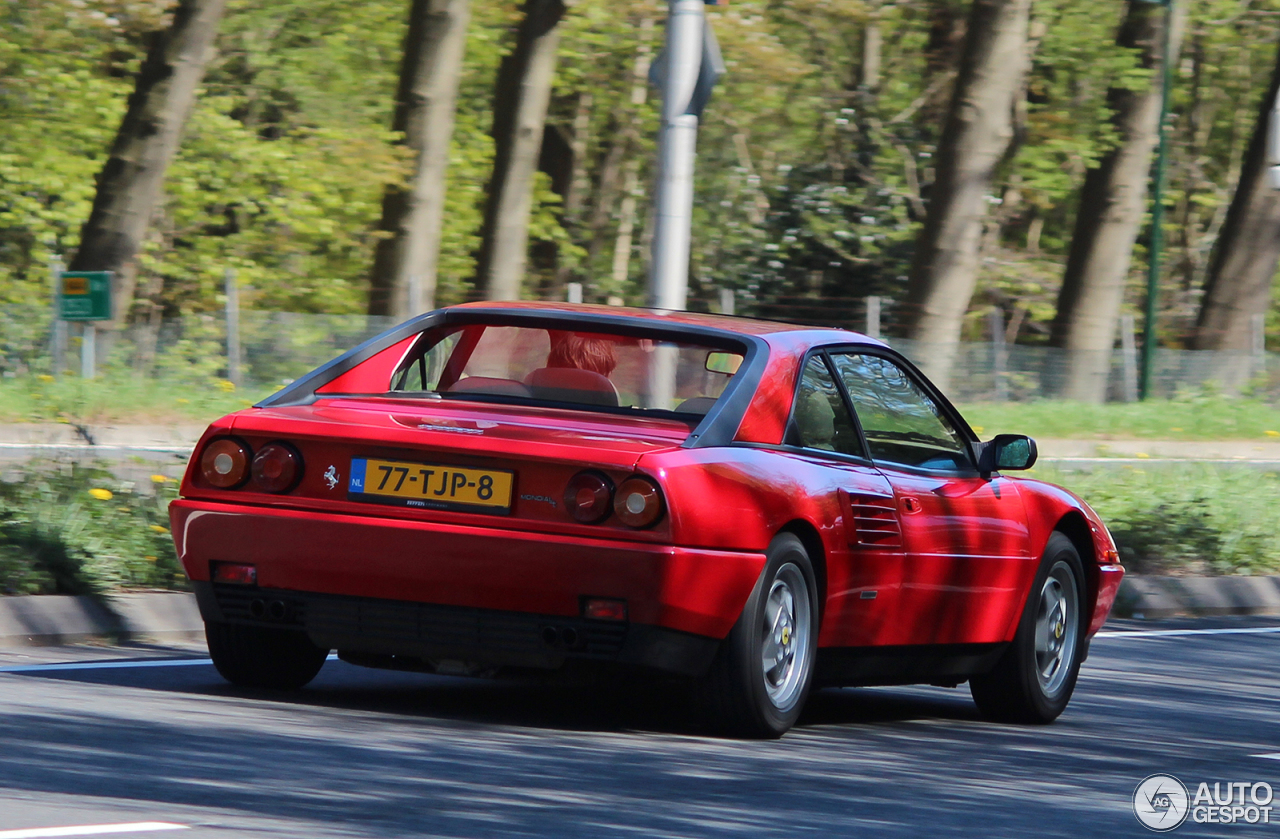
1200,417
121,399
72,528
1184,518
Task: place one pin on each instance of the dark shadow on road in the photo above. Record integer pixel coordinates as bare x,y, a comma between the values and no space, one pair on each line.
582,703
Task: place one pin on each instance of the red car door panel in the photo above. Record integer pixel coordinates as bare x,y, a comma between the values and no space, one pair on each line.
964,538
966,563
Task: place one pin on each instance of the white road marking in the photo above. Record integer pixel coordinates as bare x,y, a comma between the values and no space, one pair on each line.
112,665
1125,461
91,830
102,665
1169,633
1272,756
95,449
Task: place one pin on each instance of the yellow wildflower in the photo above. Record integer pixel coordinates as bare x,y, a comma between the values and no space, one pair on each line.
158,529
1143,455
45,377
978,429
159,479
101,494
227,385
182,401
149,558
1273,433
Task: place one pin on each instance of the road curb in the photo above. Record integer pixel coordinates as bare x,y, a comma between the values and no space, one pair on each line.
51,620
1151,597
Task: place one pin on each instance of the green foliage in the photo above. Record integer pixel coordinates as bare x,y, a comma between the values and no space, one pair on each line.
1185,518
121,399
1193,416
69,528
810,185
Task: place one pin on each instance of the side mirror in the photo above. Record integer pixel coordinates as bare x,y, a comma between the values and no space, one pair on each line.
723,362
1007,453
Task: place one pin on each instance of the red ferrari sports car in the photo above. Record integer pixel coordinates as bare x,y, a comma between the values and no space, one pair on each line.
760,506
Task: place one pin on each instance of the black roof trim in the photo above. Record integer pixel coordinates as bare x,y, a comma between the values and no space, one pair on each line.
717,428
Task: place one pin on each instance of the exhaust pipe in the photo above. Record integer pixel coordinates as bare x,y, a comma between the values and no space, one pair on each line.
560,637
258,608
277,610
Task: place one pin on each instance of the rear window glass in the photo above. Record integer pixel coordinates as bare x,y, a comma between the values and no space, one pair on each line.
584,369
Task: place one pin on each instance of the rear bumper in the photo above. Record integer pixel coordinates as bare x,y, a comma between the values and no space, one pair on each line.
382,565
397,633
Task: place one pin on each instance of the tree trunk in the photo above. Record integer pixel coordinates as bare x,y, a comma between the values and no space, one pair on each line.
519,115
1244,265
1112,207
413,217
978,130
132,179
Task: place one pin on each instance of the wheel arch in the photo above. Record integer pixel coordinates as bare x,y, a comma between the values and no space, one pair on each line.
1075,527
812,541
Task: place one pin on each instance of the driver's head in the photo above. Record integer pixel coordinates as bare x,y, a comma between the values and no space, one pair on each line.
582,352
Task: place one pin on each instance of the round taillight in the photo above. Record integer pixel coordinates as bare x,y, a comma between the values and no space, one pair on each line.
588,497
638,502
225,463
277,467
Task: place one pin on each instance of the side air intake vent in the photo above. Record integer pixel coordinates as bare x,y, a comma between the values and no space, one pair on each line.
872,521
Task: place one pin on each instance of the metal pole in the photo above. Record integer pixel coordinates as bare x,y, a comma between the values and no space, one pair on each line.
59,341
233,327
1157,212
88,350
873,317
999,355
1129,358
573,293
727,301
669,272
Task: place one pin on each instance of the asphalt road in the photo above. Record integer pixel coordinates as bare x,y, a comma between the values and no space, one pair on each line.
366,753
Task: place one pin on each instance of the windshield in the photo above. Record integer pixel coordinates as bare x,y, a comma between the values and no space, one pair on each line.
583,369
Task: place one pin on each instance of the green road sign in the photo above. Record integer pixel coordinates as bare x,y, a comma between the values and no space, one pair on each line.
84,295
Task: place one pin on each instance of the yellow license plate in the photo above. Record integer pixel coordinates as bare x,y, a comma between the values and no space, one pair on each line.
430,485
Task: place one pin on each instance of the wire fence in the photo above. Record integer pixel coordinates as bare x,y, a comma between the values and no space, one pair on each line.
276,347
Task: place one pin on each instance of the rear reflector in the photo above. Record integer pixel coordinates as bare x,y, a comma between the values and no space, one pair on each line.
639,502
225,463
588,497
240,575
604,609
277,467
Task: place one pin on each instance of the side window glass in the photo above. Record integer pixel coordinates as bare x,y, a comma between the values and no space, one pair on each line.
820,419
423,372
902,423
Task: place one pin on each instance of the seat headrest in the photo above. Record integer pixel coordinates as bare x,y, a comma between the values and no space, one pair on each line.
569,384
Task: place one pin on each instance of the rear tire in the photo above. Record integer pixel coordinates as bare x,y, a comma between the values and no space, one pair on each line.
1034,679
761,675
262,657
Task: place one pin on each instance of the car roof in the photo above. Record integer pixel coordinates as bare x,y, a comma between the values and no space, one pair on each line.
795,333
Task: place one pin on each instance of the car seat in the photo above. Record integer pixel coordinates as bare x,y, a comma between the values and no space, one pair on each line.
569,384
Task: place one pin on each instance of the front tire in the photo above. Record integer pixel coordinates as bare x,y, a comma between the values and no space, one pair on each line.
1034,679
763,671
262,657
